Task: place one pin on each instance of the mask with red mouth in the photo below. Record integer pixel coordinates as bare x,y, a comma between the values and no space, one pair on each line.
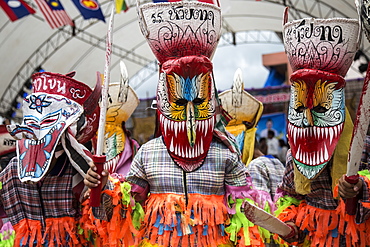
315,118
320,52
54,116
186,109
183,38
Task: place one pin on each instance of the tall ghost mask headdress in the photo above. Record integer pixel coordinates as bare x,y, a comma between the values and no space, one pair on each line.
54,115
183,36
119,110
320,52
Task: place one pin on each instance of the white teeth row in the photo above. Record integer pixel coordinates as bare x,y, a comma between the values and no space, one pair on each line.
173,126
42,140
318,133
315,158
180,126
111,164
187,151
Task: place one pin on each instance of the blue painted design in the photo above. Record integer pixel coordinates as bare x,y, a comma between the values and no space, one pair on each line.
189,89
38,171
48,138
38,102
47,154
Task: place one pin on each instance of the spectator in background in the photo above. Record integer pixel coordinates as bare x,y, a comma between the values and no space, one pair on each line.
263,145
283,150
269,126
272,144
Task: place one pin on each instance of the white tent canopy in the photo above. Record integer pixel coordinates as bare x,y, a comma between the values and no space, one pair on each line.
30,43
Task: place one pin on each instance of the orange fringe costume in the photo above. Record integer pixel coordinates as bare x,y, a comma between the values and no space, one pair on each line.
326,227
167,221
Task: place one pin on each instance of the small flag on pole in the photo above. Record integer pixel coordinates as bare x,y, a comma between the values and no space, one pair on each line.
16,9
89,9
121,5
54,13
159,1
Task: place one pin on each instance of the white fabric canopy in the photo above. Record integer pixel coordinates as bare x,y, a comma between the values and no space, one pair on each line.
29,42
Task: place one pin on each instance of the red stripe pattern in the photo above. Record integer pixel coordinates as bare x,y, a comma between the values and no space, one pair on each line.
55,18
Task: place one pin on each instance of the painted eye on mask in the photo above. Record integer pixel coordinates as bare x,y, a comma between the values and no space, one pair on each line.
181,102
45,123
184,102
198,101
320,109
300,109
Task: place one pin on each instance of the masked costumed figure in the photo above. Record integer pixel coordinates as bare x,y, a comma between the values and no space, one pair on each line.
245,111
42,185
191,181
266,171
7,152
120,147
319,130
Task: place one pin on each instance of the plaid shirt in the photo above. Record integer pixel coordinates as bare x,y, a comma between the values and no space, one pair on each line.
154,167
267,173
52,197
365,153
321,195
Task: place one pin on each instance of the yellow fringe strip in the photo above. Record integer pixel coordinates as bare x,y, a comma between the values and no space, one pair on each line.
28,229
207,210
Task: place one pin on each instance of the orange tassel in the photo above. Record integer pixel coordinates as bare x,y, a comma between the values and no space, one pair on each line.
28,229
321,222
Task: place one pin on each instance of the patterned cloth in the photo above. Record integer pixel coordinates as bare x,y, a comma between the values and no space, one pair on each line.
154,167
365,153
321,195
187,208
320,206
267,173
51,198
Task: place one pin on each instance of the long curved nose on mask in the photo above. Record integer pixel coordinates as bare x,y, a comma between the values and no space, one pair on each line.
307,120
19,132
190,123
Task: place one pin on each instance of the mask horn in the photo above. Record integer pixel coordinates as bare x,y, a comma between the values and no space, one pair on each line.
93,100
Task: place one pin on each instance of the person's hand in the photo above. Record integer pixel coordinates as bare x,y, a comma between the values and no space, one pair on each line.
296,237
93,179
348,190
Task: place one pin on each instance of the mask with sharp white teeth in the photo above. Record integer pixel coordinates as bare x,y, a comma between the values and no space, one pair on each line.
315,119
186,109
320,52
52,115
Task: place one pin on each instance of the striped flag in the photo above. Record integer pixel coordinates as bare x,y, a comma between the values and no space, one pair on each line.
54,13
16,9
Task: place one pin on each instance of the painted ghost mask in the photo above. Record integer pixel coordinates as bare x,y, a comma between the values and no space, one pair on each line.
316,118
52,115
186,109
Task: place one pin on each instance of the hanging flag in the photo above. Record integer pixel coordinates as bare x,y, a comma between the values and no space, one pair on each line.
16,9
204,1
121,5
159,1
89,9
54,13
